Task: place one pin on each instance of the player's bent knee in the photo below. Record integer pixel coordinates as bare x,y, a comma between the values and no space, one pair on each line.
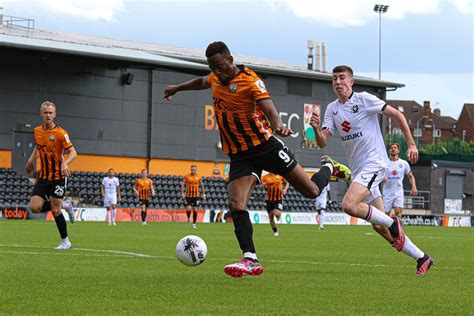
35,208
236,205
348,207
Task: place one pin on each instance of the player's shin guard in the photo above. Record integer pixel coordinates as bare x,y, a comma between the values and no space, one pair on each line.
46,207
321,178
188,214
195,215
244,232
61,224
143,217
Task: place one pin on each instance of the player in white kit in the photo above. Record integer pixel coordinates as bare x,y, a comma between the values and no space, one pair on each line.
393,196
354,116
110,189
321,204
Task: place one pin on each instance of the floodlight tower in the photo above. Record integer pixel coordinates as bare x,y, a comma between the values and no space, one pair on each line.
380,8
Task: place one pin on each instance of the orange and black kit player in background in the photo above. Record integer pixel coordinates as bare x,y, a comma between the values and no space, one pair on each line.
192,182
142,188
51,144
243,108
274,197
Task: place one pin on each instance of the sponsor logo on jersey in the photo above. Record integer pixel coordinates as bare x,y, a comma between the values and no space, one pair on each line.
351,136
394,172
355,108
346,126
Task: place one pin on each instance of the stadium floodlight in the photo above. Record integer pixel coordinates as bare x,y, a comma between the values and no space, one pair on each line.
380,8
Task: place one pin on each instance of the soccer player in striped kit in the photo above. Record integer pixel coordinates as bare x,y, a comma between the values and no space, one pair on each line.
142,188
274,197
248,125
192,182
52,143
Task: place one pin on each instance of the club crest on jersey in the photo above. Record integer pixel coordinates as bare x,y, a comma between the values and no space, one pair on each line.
355,108
233,87
51,138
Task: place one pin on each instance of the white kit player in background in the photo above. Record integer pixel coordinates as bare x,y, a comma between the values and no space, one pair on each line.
354,116
321,203
393,196
110,189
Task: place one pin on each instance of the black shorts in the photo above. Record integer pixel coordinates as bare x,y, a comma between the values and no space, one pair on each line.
274,205
272,156
144,202
192,201
47,189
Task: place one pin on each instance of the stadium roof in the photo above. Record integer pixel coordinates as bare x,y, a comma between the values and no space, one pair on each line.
150,53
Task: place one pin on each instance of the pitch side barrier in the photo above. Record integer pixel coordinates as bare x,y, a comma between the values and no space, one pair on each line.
99,214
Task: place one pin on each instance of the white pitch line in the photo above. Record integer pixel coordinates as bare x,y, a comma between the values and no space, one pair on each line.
127,254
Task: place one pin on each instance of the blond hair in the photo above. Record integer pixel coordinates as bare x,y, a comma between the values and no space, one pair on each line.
47,103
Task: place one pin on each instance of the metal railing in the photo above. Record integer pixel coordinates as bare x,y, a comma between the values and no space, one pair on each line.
421,201
15,21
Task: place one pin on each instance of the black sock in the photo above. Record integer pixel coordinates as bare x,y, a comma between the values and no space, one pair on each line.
243,230
275,229
143,216
188,214
46,207
62,226
322,178
393,229
195,216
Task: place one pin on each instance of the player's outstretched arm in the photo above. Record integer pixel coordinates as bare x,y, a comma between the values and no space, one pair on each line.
412,152
198,83
273,116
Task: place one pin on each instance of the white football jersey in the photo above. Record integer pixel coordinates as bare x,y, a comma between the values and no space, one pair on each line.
322,199
395,174
110,186
357,123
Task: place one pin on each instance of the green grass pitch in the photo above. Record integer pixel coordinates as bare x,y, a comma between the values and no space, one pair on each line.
130,269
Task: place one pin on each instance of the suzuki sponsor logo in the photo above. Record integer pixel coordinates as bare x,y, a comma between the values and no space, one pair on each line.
346,126
351,136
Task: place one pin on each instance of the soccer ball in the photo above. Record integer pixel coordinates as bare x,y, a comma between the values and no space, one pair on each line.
191,250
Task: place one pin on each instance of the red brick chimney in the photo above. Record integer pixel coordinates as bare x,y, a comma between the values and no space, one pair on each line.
426,109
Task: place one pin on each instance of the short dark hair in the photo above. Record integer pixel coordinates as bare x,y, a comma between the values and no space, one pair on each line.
343,68
217,48
394,144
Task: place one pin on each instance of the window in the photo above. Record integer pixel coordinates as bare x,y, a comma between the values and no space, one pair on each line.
464,134
396,131
437,133
401,109
417,132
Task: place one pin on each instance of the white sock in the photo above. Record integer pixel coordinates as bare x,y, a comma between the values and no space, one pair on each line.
375,216
65,240
321,219
250,255
114,213
411,250
329,166
109,215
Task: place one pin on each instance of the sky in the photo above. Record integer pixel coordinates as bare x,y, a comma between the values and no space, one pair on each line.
428,45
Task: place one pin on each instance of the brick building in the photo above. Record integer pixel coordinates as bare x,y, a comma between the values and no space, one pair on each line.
465,125
426,125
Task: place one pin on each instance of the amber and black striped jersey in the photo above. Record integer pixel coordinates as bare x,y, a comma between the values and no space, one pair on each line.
143,187
192,183
50,145
274,183
242,124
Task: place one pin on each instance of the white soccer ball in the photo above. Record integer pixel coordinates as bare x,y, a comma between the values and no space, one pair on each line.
191,250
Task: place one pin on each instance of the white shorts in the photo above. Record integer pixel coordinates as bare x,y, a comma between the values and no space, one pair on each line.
320,205
370,180
392,201
110,200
